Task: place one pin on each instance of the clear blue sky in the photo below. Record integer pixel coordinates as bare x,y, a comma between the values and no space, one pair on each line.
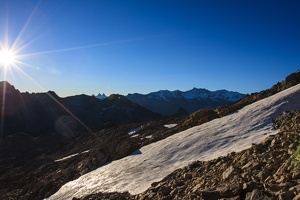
126,46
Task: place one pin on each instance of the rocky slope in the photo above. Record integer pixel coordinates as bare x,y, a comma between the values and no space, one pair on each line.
268,170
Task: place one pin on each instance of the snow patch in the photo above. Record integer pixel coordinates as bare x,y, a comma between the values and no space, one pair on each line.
70,156
134,130
170,125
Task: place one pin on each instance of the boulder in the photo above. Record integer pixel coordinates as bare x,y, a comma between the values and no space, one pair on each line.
230,172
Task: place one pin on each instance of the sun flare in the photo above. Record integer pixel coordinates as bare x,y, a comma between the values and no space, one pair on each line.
7,58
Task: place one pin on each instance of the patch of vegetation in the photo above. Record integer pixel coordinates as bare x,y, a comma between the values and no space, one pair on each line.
296,158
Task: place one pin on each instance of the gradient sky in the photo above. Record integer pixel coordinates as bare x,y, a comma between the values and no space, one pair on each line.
126,46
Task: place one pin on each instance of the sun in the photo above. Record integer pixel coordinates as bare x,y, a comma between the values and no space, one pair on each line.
7,58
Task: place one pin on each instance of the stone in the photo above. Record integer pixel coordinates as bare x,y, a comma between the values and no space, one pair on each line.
263,175
188,176
275,188
196,188
274,142
267,157
250,186
194,165
283,168
297,197
295,188
258,147
232,198
256,165
210,195
101,158
289,195
124,148
296,175
247,165
281,186
174,192
257,195
229,172
290,151
246,176
164,190
225,192
281,179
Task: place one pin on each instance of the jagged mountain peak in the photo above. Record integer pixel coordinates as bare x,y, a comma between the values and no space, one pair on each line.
53,94
194,89
4,85
101,96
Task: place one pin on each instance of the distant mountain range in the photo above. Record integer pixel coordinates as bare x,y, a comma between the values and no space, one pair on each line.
169,102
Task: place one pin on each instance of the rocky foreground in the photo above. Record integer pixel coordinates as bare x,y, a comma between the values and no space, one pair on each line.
269,170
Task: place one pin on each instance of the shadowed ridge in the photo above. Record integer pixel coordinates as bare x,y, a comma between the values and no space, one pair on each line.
291,80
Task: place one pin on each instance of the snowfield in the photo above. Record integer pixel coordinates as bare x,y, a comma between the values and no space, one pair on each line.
216,138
